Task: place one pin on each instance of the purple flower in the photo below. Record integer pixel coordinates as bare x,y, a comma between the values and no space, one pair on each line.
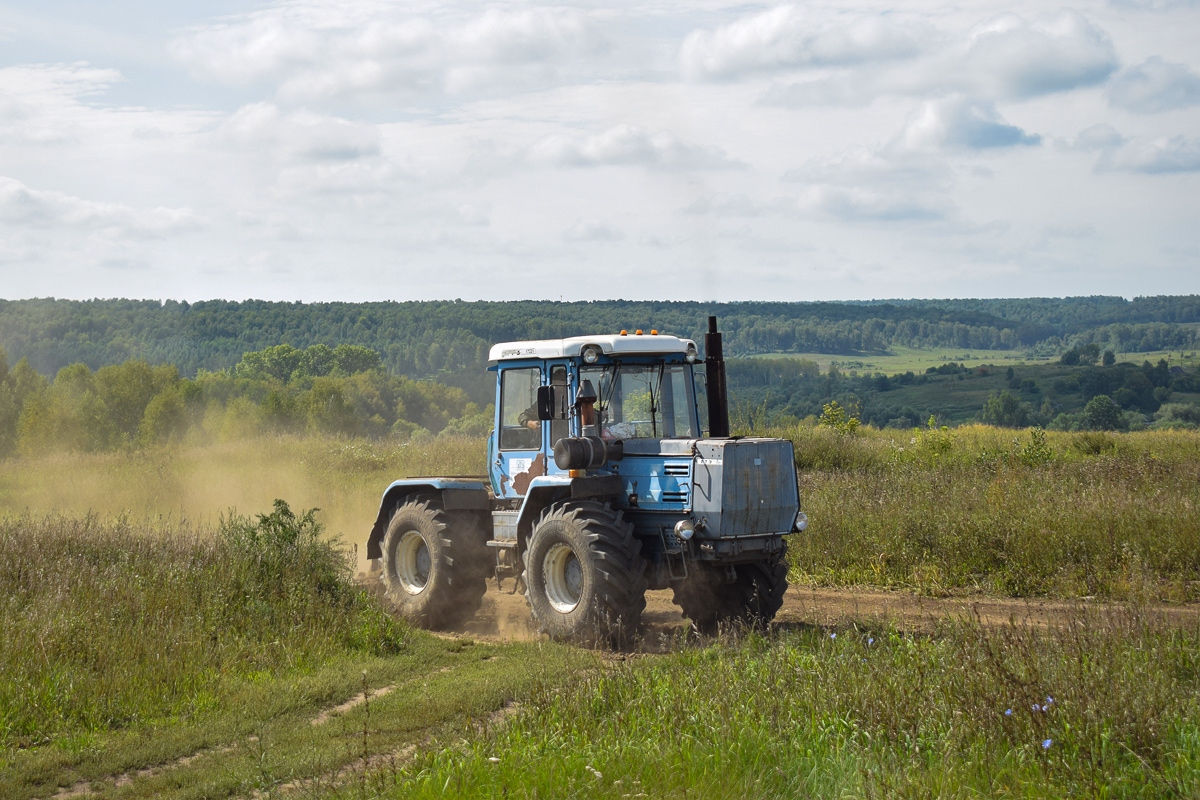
1036,707
1046,743
1008,713
833,636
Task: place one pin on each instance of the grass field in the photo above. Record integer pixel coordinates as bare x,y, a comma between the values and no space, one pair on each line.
152,642
904,359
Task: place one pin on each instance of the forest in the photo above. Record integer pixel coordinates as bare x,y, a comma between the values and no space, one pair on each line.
448,340
113,374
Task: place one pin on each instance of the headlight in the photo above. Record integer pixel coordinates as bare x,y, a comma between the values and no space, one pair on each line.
590,354
684,529
801,521
692,354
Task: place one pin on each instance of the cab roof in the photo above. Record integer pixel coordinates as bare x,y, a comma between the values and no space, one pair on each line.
614,344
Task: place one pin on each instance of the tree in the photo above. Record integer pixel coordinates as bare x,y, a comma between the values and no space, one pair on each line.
1109,358
1005,410
1102,414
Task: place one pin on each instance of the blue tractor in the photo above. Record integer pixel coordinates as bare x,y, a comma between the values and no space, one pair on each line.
600,485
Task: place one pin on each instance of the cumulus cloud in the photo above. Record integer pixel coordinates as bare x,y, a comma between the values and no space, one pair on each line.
960,123
789,37
1155,85
628,145
26,207
300,134
1100,136
866,186
1157,157
1010,57
314,50
1004,58
33,99
734,205
593,230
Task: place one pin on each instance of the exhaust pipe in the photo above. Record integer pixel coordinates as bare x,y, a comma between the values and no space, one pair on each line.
714,371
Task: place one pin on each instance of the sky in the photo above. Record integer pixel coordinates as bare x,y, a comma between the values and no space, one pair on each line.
320,150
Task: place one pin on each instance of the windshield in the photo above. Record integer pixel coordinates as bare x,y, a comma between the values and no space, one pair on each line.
644,401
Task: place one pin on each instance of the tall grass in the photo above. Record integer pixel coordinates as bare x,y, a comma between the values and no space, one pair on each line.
111,624
1014,513
1104,707
343,477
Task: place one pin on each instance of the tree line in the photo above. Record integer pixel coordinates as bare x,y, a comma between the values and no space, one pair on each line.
449,340
281,389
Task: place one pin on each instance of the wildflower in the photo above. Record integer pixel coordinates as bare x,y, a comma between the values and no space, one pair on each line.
493,759
833,636
1036,707
1008,713
870,641
1046,743
1049,700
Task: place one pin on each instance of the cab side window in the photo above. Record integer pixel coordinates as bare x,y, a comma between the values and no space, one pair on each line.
519,426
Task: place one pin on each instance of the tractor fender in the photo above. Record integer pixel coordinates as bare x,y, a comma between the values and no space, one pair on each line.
546,490
467,494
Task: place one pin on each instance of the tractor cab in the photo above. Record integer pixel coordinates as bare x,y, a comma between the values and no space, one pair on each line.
601,390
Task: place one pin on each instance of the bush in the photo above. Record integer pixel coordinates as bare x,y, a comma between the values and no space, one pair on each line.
106,625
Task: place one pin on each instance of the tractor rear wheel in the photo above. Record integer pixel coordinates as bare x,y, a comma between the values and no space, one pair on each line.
710,600
585,578
434,564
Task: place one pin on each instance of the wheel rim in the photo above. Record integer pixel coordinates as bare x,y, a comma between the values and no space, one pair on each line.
563,575
413,562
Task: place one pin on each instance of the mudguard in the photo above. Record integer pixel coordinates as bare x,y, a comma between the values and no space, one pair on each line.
468,493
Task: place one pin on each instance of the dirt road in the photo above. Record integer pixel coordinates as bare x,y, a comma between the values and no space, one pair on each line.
505,616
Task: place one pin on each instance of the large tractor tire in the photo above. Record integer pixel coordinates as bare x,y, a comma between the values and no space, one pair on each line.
585,578
434,564
752,599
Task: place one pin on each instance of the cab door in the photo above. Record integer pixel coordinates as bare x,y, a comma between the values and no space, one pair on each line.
520,452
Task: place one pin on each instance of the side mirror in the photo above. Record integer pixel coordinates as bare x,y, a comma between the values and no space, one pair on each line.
545,402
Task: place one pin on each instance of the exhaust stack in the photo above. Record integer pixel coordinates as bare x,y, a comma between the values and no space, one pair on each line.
714,370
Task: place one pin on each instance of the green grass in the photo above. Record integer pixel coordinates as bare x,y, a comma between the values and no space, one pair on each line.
980,509
128,643
1104,707
126,647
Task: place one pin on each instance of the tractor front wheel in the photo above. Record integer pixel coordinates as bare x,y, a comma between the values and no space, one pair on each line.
585,577
710,599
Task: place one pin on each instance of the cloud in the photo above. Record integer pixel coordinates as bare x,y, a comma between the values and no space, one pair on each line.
1003,58
788,37
733,205
26,207
874,186
1098,137
315,50
300,134
593,230
627,145
960,123
1010,57
1154,86
34,97
1161,156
